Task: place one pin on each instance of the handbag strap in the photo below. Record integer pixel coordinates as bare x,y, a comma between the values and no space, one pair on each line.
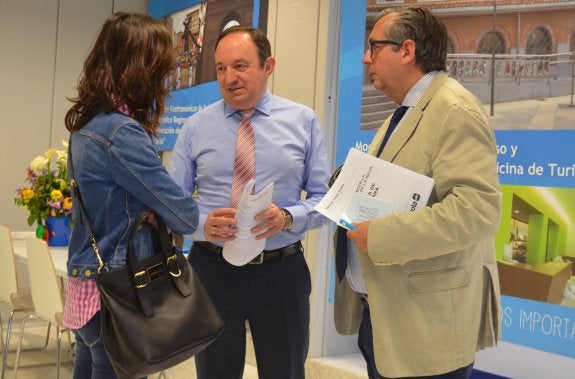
175,260
75,190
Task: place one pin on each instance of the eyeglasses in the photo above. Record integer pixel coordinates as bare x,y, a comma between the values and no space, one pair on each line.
374,43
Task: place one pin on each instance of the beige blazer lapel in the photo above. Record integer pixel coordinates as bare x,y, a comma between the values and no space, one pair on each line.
408,126
378,138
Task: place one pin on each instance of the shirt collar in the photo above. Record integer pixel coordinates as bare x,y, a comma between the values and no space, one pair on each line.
416,92
264,106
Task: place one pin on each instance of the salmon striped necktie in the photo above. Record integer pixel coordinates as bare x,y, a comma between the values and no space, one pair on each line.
245,162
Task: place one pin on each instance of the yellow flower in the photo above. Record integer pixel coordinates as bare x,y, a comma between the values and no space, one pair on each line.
68,203
56,195
27,194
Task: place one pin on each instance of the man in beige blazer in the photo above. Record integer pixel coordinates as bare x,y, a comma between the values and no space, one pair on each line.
427,296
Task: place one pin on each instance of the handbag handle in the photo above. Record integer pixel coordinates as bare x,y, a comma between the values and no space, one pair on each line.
172,261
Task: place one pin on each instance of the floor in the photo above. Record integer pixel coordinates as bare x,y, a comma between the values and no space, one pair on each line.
340,367
44,361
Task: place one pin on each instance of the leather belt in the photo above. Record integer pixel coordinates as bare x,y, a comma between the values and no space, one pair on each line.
264,256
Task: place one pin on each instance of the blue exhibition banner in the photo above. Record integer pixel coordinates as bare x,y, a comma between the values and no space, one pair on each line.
536,157
181,105
161,8
349,133
195,26
543,326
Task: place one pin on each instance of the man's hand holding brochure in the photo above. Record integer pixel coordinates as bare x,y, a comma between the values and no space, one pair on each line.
368,187
245,246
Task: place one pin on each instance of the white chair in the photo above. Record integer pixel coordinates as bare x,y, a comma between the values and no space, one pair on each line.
47,293
19,299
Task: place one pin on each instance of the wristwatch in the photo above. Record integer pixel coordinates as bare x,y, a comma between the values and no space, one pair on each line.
288,219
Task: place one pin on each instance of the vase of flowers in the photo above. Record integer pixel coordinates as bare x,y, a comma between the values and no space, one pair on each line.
58,230
47,195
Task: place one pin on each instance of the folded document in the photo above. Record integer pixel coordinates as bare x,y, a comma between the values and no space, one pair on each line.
245,247
368,187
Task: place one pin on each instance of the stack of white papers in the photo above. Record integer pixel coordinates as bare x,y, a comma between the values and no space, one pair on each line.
245,247
368,187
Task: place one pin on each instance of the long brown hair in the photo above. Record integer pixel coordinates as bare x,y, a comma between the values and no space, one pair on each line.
132,58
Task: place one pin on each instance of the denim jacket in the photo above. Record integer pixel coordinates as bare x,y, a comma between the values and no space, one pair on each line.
120,175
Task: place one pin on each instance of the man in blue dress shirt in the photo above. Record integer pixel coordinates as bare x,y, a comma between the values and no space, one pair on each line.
271,292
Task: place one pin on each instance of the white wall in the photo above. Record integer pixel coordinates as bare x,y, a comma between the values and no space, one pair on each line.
43,44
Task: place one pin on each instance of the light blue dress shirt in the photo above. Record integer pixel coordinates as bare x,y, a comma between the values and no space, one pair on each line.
289,151
353,271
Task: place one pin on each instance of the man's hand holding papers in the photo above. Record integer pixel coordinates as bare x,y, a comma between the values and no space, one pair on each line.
368,187
245,246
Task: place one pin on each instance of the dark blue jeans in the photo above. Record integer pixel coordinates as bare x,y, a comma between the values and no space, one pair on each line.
274,298
365,343
91,360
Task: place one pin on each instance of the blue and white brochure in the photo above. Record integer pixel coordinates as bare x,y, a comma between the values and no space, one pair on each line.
368,187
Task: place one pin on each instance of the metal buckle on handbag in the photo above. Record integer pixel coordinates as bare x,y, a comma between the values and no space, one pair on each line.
258,259
173,258
145,277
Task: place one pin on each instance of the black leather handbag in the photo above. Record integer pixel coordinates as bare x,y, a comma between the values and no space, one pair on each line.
155,312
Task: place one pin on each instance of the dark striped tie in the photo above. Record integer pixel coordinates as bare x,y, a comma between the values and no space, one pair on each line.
397,115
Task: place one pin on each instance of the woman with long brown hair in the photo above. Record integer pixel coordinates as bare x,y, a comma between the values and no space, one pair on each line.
113,121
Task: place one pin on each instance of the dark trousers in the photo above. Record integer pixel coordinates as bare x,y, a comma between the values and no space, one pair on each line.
365,343
274,298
